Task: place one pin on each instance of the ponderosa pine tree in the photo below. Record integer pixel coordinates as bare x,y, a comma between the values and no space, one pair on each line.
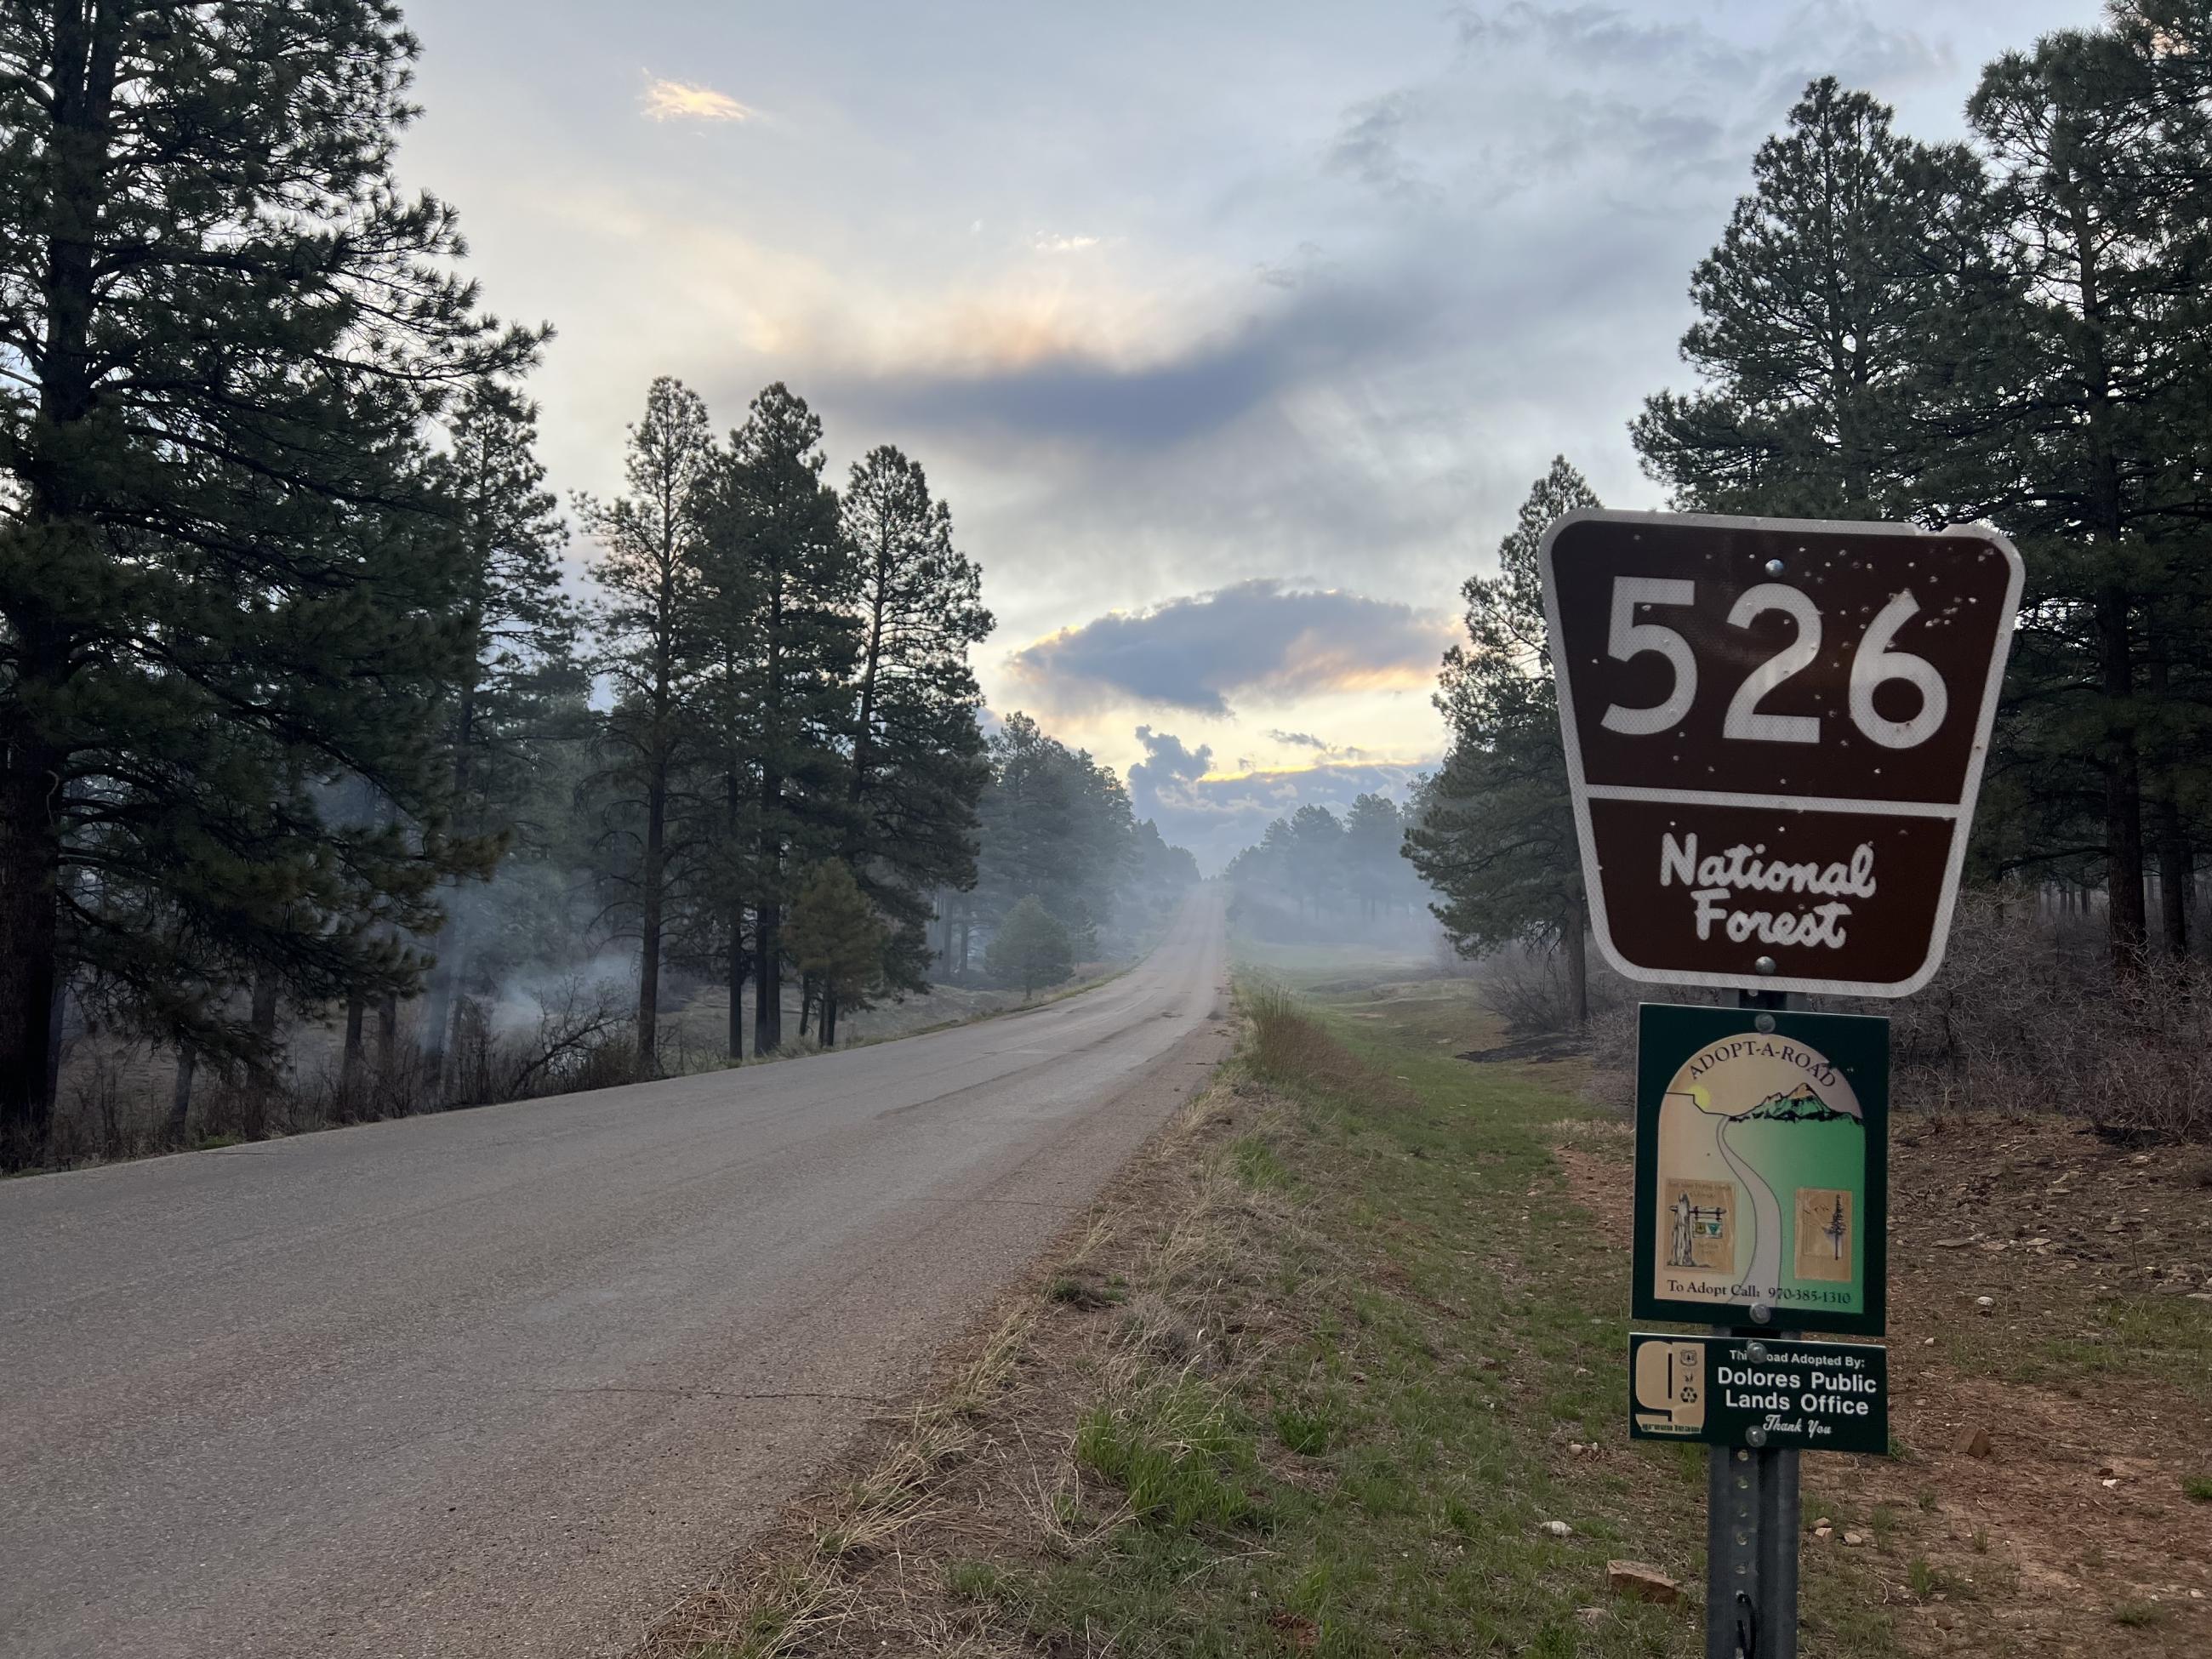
1161,870
2084,409
652,587
776,538
1374,852
1031,948
1057,826
1494,831
1316,849
835,938
1819,314
521,683
222,550
918,764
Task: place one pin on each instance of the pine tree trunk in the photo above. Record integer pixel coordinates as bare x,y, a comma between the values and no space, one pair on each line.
768,979
735,968
264,1017
352,1058
829,1016
2126,930
806,1002
1577,965
768,924
649,925
180,1093
387,1031
2171,839
438,1016
734,1040
2176,874
446,977
30,866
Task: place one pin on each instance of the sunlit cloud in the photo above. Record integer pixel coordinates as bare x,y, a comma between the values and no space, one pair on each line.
681,100
1260,639
1045,244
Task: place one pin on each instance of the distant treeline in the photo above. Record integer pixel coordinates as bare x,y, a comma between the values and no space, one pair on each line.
296,713
1314,874
2013,329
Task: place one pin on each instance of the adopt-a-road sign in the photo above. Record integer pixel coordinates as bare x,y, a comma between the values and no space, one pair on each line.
1761,1169
1759,1392
1774,731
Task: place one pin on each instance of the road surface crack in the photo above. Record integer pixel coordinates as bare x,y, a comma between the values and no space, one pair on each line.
725,1393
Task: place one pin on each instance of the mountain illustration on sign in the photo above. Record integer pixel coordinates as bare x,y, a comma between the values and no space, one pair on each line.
1802,1105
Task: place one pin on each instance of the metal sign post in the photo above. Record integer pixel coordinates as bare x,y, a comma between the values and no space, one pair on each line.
1752,1519
1751,1522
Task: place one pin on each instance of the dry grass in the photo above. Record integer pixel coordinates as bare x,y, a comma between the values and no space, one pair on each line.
1288,1048
790,1608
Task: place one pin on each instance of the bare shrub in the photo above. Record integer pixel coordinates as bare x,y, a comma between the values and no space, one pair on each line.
1528,987
92,1114
581,1034
2027,1014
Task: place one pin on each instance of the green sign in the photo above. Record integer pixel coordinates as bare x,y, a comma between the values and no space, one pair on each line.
1759,1391
1762,1169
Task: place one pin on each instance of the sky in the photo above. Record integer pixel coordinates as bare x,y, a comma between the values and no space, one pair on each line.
1234,334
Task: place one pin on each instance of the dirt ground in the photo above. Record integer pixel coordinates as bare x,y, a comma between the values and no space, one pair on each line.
2040,1287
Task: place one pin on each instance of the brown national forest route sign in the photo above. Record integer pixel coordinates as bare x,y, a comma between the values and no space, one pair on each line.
1775,730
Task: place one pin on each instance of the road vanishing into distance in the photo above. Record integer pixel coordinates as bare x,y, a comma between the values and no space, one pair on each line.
509,1381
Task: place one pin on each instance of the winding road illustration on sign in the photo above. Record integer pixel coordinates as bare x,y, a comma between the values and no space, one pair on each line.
1762,1179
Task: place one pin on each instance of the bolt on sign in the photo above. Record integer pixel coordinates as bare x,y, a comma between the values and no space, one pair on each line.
1775,730
1761,1169
1759,1392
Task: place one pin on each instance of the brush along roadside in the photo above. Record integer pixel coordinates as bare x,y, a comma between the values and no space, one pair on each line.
1323,1365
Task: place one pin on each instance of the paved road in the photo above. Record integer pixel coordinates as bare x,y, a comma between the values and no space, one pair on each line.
507,1381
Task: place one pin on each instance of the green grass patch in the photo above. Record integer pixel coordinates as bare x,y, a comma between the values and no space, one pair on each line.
1181,1452
2162,1339
1306,1432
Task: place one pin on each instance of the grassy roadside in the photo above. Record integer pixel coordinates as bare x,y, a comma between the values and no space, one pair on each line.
1314,1378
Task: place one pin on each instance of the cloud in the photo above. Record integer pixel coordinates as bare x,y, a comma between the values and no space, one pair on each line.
1372,150
1845,37
1300,739
681,100
1167,770
1092,372
1258,638
1045,244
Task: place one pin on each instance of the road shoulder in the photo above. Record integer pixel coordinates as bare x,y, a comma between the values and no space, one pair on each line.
784,1584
